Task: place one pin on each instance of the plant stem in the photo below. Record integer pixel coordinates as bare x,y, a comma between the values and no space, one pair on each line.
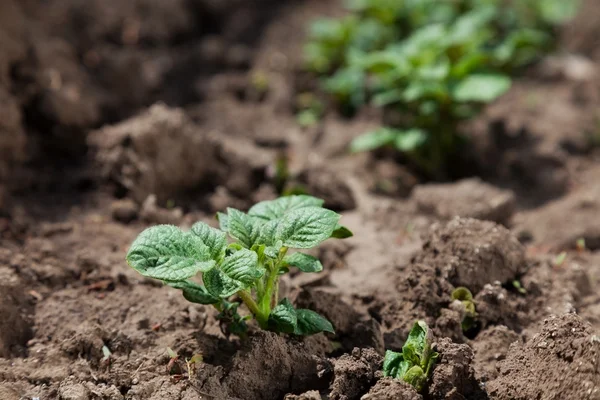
253,307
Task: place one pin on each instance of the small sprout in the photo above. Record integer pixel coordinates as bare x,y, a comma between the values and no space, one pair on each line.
465,296
309,109
517,285
415,363
174,368
105,361
172,354
581,245
249,268
259,81
192,364
560,259
258,86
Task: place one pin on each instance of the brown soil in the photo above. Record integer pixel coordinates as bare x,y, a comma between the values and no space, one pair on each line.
118,115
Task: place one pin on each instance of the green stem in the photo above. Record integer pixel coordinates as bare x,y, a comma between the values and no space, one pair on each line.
253,307
267,302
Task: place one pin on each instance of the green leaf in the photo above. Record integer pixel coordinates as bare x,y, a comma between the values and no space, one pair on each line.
165,252
462,293
306,227
242,266
283,318
409,140
481,88
310,322
194,293
304,262
416,377
394,364
341,232
220,285
242,227
417,337
556,12
273,251
223,221
273,209
373,140
268,232
215,239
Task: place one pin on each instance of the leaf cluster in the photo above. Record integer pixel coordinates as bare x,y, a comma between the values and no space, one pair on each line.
415,363
433,63
249,266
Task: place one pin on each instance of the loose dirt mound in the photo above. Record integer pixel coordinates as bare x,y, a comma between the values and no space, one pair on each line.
560,362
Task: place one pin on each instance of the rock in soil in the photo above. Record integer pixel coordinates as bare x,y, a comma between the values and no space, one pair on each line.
15,324
453,376
469,198
472,253
392,389
354,374
560,362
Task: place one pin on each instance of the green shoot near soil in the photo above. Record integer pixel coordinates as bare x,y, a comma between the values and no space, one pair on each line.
415,363
249,267
429,64
465,296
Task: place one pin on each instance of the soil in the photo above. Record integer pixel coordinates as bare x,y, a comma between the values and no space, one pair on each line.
115,116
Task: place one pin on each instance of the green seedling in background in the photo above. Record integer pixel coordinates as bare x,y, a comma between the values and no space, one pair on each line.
517,285
415,363
430,64
465,296
249,267
580,245
559,259
309,110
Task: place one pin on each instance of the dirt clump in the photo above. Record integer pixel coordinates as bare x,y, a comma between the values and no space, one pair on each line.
491,347
469,198
392,389
560,362
310,395
15,324
287,367
472,253
160,152
453,375
354,373
327,185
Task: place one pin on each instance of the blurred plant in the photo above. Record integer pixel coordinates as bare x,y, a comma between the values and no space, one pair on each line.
309,109
465,296
432,64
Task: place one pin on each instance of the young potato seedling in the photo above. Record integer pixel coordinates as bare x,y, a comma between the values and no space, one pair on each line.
465,296
249,267
415,363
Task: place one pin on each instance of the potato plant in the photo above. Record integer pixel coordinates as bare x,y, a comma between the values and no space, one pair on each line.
249,267
415,363
430,64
